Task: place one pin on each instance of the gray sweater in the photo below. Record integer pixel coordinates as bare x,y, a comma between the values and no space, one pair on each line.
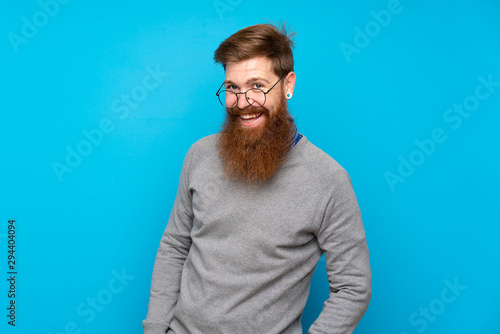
238,259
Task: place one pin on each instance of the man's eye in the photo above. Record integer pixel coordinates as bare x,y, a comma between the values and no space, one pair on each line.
257,85
232,87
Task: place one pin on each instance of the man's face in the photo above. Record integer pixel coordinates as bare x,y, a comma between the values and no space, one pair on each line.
254,140
254,73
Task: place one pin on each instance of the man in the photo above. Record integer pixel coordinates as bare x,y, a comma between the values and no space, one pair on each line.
257,206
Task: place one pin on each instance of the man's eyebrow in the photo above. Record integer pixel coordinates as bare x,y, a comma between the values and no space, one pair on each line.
257,79
249,81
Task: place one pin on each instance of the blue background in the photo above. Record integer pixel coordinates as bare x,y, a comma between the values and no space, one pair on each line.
429,225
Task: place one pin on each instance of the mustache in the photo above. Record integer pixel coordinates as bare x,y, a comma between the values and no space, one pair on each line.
236,111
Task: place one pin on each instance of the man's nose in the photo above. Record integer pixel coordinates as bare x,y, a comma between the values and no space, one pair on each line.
242,101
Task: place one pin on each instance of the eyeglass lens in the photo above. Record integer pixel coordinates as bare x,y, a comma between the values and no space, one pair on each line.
254,97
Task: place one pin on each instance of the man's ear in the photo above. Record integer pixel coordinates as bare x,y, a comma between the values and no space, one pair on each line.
289,84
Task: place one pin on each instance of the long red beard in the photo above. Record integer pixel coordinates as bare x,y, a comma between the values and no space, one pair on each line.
254,155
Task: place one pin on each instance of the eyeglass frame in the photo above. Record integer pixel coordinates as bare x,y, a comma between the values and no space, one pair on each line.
246,98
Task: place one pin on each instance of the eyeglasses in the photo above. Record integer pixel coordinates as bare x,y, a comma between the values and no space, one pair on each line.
255,97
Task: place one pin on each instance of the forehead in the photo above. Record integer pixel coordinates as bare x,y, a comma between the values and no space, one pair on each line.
254,67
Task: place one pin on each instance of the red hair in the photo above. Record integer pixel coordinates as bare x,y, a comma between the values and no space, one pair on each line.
261,40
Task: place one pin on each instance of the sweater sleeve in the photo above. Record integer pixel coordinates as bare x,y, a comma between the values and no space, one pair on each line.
342,239
172,253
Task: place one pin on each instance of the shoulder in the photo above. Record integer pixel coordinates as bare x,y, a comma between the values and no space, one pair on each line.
206,143
202,147
330,180
202,152
318,162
